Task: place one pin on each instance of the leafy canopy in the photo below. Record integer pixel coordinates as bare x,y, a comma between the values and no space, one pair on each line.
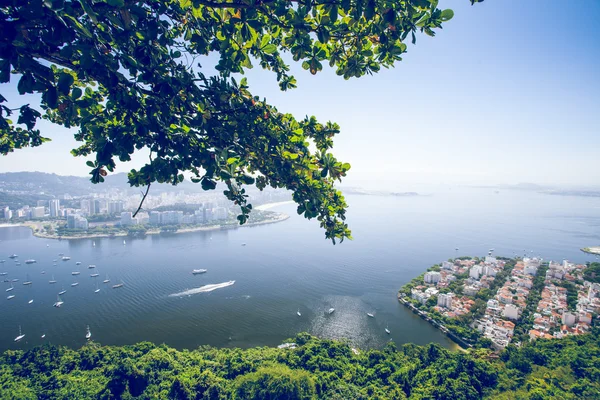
128,75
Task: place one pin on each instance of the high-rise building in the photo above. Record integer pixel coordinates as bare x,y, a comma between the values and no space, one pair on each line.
445,300
432,277
38,212
71,221
85,206
7,213
127,219
115,207
155,218
54,208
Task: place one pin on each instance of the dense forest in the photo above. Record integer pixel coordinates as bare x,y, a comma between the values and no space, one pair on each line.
567,369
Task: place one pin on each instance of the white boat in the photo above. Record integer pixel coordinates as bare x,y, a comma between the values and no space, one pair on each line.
13,256
74,284
30,301
97,289
15,280
47,245
370,315
65,258
54,261
387,330
88,334
198,271
27,282
52,281
331,310
21,336
243,244
62,292
2,261
61,254
17,263
59,302
118,285
3,273
91,266
94,275
12,296
75,273
93,243
43,336
298,312
30,261
106,280
124,243
11,288
78,263
43,272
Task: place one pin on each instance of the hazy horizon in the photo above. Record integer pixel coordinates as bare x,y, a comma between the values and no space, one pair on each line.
499,96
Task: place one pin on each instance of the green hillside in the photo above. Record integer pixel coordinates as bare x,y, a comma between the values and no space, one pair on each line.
558,369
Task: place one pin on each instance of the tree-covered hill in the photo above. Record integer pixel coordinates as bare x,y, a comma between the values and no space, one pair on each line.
565,369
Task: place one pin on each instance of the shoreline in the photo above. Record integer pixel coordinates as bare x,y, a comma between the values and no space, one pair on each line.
279,218
267,206
460,343
595,250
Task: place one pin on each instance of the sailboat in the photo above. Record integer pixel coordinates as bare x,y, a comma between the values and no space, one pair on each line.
118,285
11,288
21,336
43,272
78,263
298,312
74,284
59,302
3,273
75,273
52,281
94,275
124,243
13,256
88,334
12,296
370,315
97,289
94,244
43,335
28,281
91,266
331,310
62,292
106,280
30,301
387,330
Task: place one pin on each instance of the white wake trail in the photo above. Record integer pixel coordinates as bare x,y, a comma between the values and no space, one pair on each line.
203,289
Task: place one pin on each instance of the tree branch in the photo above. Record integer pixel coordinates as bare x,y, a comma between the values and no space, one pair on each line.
141,202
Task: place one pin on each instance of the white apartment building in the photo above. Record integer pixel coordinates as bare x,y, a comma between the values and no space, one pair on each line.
445,300
511,312
432,277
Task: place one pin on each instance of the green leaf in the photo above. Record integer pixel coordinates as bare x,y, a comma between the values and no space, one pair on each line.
269,49
447,15
64,83
90,164
265,40
78,26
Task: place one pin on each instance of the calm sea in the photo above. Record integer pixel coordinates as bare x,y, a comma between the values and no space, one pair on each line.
283,268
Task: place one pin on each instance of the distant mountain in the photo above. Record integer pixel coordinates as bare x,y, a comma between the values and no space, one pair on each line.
58,185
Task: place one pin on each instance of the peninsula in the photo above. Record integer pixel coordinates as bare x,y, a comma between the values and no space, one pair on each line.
493,301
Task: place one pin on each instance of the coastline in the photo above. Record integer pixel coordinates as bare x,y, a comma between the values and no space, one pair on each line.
267,206
279,218
460,343
595,250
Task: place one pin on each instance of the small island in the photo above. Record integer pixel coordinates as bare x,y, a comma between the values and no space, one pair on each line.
493,301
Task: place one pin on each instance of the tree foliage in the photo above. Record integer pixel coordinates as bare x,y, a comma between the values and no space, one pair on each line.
132,75
563,368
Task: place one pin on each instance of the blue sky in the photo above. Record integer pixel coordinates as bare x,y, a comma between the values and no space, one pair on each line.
507,92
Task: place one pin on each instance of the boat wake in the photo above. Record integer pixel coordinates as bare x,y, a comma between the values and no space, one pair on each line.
203,289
